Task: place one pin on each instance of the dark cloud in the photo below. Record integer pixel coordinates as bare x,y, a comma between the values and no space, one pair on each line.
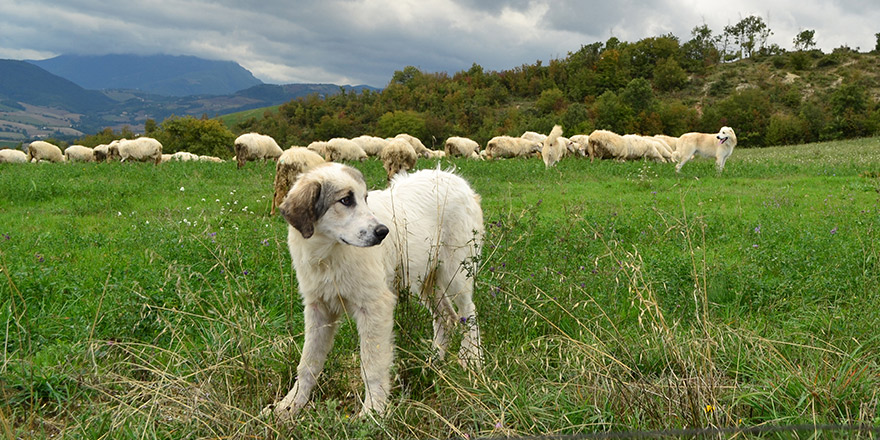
364,42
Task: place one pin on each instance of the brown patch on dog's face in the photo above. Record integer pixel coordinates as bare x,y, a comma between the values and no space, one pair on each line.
300,207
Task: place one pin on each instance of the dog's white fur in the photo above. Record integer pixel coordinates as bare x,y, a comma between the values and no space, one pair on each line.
345,265
720,146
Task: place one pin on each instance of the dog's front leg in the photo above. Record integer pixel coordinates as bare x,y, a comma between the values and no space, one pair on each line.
320,326
375,323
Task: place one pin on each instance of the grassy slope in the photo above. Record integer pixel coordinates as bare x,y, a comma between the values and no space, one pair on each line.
148,300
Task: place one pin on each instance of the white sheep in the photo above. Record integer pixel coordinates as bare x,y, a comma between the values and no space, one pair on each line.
254,146
102,152
292,162
508,146
371,145
341,149
397,157
166,158
184,156
579,144
553,147
534,136
417,145
213,159
662,147
462,147
672,142
142,149
42,150
10,155
319,147
604,144
638,147
79,153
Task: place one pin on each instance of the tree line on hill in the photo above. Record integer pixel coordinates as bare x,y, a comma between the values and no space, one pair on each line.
655,85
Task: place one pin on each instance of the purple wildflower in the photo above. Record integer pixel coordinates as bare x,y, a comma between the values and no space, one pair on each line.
6,236
39,257
758,229
246,272
834,231
265,242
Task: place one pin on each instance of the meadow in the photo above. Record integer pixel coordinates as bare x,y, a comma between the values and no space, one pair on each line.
144,301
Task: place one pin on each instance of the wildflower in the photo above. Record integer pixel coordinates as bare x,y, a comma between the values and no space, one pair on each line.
39,257
758,229
498,425
6,236
755,246
265,242
181,189
246,272
834,231
709,409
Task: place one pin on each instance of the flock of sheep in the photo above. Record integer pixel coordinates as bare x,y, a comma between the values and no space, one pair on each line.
399,154
142,149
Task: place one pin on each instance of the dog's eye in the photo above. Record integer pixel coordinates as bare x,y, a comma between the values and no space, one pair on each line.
347,200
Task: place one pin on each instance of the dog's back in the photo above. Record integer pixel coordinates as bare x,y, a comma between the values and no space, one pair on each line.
432,216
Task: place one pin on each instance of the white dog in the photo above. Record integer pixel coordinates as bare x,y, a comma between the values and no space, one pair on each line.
351,251
720,146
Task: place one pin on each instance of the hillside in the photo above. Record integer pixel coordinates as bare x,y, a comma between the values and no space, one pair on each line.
23,82
656,85
156,74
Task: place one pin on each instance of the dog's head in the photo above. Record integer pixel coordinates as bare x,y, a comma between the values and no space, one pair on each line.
725,134
331,200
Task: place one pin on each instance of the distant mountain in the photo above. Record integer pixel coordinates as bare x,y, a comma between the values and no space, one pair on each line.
35,103
165,75
21,81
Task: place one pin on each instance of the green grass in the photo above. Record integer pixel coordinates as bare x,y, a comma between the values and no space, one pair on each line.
232,120
159,302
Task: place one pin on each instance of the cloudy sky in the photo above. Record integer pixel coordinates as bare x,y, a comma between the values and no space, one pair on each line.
365,41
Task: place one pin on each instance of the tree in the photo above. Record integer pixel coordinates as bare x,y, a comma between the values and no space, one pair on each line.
750,33
701,50
877,45
668,75
804,40
207,137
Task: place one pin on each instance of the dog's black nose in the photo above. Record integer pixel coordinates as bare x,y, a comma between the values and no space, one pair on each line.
381,231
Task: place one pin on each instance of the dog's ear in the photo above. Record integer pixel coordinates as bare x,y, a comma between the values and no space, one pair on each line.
300,208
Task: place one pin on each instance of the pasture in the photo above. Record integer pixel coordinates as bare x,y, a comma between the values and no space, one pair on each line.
143,301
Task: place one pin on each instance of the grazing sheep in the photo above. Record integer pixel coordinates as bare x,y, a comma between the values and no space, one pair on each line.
533,136
319,147
9,155
253,146
142,149
720,146
41,150
579,144
292,162
553,147
463,147
638,147
371,145
417,145
166,158
183,156
604,144
397,157
340,149
672,142
79,153
214,159
102,153
507,146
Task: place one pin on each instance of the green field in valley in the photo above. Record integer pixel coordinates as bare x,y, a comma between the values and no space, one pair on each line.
144,301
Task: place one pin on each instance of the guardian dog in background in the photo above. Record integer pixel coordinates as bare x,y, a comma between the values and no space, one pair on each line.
719,146
351,252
